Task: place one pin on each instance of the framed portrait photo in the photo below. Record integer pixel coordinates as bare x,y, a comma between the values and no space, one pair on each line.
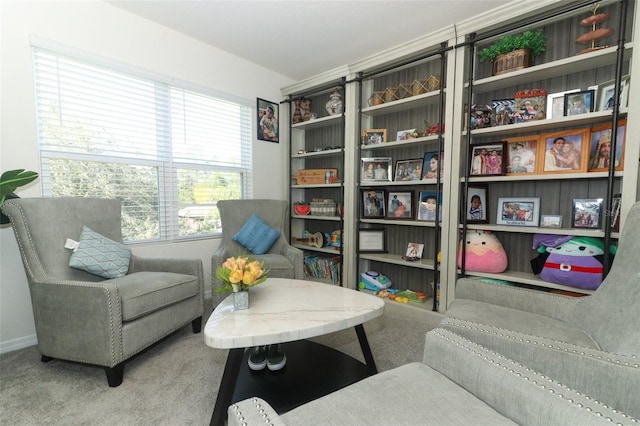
518,211
487,159
372,240
414,251
374,136
372,203
399,205
432,160
522,155
587,213
267,121
600,147
606,91
564,152
555,103
579,102
551,221
404,135
375,169
408,170
427,202
476,209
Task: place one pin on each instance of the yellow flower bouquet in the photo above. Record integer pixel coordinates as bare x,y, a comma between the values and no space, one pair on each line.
240,274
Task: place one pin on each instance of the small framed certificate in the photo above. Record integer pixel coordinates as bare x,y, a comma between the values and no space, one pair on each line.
372,240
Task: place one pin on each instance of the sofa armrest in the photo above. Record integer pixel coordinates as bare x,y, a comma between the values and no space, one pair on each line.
551,305
514,390
253,411
296,257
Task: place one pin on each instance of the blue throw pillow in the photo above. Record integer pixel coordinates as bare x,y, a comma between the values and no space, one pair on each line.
100,256
256,235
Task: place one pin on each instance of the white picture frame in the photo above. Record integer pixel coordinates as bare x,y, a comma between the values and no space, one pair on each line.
518,211
555,103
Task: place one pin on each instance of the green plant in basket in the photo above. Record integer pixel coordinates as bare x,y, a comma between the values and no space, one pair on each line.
535,41
240,274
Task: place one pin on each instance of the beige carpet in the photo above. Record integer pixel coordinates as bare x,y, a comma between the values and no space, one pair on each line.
173,383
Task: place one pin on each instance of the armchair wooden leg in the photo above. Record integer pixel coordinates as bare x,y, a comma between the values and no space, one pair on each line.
196,325
115,375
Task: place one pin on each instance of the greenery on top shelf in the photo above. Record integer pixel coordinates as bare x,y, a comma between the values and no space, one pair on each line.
9,182
532,40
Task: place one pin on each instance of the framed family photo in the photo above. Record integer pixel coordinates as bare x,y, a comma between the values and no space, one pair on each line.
579,102
408,170
600,155
564,152
427,202
373,203
432,160
521,155
399,205
267,121
551,221
587,213
518,211
375,169
487,159
374,136
476,209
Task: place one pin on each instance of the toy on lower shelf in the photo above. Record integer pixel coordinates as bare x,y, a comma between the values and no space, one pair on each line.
375,281
408,296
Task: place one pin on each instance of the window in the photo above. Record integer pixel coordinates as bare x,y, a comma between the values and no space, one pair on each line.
167,151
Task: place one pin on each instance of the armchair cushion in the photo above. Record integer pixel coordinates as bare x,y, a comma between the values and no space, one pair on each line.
100,256
256,235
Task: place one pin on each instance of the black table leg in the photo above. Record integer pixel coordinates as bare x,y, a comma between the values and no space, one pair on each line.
366,350
227,386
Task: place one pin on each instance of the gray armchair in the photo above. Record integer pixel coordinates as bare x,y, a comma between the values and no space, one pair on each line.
82,317
282,259
591,343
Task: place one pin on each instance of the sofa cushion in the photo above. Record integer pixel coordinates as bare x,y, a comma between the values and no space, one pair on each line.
100,256
146,292
256,235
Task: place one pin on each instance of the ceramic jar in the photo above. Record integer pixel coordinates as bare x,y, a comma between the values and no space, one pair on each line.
334,105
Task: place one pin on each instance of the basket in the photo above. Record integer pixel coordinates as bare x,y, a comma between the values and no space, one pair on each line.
376,99
390,94
403,91
418,87
323,208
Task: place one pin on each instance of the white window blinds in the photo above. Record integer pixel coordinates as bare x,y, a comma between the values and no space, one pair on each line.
169,153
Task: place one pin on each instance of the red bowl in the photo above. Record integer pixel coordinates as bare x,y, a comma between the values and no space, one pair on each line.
302,209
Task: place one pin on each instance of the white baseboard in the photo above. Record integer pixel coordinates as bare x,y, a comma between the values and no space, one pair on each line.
19,343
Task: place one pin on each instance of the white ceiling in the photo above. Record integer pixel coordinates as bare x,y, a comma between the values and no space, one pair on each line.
302,38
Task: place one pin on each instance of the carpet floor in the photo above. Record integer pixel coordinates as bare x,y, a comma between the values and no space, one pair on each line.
175,382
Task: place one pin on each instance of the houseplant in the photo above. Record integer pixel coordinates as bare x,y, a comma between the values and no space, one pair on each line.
239,274
9,182
515,51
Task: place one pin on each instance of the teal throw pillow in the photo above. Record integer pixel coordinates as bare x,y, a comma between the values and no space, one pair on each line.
100,256
256,235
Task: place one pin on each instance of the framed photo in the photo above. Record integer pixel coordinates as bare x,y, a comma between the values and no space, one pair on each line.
615,212
414,251
373,203
476,209
376,169
374,136
408,170
426,210
430,165
564,152
579,102
521,155
502,110
587,213
267,121
530,105
555,103
399,205
605,94
551,221
488,159
404,135
600,147
372,240
518,211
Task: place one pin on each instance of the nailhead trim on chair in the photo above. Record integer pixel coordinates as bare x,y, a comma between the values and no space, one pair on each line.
537,378
238,413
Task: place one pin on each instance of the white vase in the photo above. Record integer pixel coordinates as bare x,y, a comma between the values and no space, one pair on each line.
240,300
334,105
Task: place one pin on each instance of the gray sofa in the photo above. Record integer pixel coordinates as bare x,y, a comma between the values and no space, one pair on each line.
458,383
591,343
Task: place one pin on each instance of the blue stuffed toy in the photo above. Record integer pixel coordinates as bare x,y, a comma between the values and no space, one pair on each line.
569,260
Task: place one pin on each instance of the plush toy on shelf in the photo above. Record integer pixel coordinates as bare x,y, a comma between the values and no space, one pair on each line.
484,253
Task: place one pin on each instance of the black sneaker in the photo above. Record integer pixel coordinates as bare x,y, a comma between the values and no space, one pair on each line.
258,358
276,359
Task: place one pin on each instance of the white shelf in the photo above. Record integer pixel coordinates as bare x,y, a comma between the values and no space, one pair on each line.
596,233
329,250
366,184
547,176
397,259
403,104
318,122
323,153
321,185
399,222
315,217
397,144
527,278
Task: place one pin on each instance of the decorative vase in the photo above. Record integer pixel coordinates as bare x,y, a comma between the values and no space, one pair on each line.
240,300
334,105
306,106
297,116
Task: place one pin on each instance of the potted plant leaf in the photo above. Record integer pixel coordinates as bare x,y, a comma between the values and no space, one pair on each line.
9,182
514,52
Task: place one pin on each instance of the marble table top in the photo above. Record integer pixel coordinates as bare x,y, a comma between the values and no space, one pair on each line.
285,310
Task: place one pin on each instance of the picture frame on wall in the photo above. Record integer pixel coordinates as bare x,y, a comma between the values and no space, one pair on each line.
408,170
372,240
374,136
522,155
477,208
487,159
426,209
373,204
587,213
267,121
579,102
555,103
399,205
600,147
430,165
564,152
518,211
375,169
